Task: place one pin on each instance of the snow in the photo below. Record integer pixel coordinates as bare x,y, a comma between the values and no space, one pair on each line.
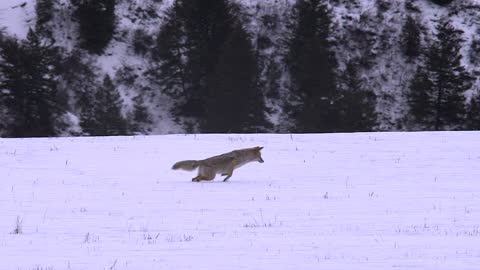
320,201
17,16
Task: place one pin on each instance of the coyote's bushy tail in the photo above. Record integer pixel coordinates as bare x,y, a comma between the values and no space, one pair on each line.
188,165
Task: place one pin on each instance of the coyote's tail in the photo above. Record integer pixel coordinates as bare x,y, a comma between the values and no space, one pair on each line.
188,165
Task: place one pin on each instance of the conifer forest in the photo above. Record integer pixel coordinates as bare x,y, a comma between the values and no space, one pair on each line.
122,67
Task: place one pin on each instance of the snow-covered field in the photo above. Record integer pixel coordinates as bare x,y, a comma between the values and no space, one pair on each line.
332,201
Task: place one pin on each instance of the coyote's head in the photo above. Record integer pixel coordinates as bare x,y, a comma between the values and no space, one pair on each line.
258,155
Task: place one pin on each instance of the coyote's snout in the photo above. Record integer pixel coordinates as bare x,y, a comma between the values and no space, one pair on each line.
223,164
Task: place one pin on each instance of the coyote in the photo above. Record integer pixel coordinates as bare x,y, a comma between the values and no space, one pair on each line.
223,164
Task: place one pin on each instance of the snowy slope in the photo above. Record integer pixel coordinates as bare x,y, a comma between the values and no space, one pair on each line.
332,201
16,16
389,72
379,21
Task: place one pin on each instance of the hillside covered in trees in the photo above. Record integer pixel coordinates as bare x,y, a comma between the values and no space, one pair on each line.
117,67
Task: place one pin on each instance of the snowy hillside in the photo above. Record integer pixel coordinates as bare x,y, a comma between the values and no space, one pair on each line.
381,23
339,201
367,32
17,16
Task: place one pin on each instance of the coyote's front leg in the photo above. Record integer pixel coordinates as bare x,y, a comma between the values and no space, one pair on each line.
230,171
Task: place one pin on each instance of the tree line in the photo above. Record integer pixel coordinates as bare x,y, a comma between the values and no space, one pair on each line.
204,58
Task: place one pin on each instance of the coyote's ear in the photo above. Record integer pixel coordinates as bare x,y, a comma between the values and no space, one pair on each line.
258,148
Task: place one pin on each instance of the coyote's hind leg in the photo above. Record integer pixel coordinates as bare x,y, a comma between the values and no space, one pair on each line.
204,174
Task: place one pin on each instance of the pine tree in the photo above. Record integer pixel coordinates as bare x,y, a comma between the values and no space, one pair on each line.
45,12
107,111
356,104
85,103
235,103
411,6
473,116
168,69
142,42
444,82
410,38
141,117
420,100
29,88
207,26
11,85
449,77
442,2
97,23
474,52
272,80
188,51
78,79
312,64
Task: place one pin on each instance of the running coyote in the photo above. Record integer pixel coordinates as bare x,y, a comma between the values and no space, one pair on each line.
223,164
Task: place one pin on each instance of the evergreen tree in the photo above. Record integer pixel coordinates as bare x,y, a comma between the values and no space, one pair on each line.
44,10
78,79
169,64
356,104
141,117
234,103
312,64
29,87
411,6
421,100
437,95
187,50
272,80
142,42
96,20
450,79
85,104
474,51
192,44
410,38
442,2
107,111
207,26
473,116
269,49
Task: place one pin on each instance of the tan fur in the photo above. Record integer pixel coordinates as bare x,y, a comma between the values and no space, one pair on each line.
222,164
